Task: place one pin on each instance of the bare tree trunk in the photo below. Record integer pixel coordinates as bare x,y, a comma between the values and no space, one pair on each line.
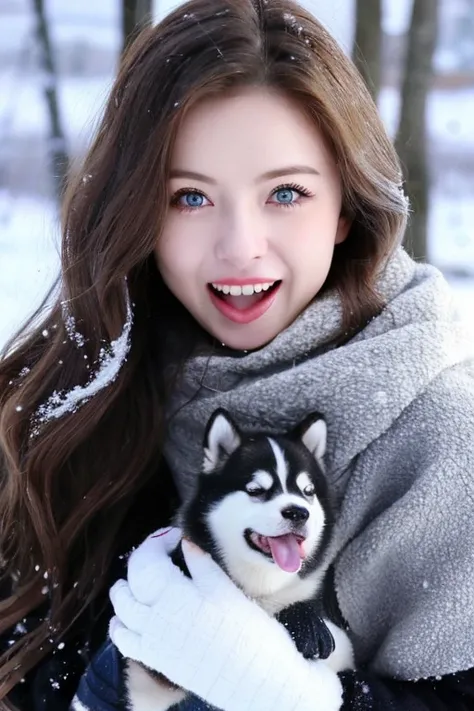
411,140
57,143
135,15
367,48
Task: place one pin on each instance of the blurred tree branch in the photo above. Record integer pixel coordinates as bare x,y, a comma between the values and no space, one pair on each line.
135,15
57,143
411,139
367,47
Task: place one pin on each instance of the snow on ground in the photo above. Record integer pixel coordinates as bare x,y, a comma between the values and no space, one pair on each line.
29,258
463,290
451,233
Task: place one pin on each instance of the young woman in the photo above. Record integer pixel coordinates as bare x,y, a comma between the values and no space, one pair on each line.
233,240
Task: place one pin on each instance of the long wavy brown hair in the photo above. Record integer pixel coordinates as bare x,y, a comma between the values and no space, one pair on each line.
67,482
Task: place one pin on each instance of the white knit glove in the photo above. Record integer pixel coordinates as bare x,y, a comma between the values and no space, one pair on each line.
207,637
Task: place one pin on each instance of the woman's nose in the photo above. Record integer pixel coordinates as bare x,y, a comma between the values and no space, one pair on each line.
241,240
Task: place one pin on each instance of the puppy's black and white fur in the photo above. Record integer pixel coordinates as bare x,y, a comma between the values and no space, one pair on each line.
262,510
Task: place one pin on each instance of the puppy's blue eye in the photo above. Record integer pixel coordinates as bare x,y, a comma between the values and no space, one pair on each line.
308,491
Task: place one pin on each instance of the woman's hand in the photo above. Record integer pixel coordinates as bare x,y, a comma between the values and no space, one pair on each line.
207,637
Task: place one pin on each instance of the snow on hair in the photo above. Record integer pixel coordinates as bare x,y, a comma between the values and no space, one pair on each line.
110,362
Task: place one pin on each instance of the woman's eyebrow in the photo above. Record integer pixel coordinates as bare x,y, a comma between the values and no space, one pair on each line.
288,170
269,175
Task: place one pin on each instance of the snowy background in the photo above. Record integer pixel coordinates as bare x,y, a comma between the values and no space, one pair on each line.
86,37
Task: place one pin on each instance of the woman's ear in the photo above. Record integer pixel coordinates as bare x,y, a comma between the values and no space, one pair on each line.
343,226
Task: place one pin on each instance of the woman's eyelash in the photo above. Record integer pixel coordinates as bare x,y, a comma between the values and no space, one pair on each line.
294,186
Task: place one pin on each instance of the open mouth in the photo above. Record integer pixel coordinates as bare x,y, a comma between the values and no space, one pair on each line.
246,302
286,551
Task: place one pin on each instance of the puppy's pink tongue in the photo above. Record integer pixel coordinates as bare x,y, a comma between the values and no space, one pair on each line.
286,552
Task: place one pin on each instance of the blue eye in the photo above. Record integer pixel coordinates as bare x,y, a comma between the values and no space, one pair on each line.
193,199
186,199
190,199
289,195
285,195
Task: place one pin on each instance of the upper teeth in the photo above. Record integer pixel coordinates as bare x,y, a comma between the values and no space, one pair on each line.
246,290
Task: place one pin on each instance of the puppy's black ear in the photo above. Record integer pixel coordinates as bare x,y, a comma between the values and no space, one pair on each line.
221,439
313,433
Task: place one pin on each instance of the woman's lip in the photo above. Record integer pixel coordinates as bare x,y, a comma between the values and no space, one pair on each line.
244,316
232,281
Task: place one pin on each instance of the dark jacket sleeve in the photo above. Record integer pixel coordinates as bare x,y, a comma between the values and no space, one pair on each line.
102,686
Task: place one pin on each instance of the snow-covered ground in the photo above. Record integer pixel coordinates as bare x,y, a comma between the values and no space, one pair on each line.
29,259
28,229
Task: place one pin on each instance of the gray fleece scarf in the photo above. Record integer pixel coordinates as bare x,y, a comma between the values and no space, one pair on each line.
398,399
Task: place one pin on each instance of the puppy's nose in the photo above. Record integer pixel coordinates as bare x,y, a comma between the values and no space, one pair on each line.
298,514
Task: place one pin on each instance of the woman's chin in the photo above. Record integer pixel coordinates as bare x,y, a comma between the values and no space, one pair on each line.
245,338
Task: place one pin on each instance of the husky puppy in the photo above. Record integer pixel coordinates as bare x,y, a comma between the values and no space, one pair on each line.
261,508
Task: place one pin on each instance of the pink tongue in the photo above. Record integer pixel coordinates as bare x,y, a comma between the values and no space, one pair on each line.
286,552
243,302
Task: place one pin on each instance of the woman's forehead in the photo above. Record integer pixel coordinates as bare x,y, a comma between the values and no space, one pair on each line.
255,131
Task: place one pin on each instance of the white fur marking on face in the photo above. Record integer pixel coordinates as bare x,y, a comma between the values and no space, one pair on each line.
228,521
303,482
257,576
315,439
221,438
261,480
281,463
